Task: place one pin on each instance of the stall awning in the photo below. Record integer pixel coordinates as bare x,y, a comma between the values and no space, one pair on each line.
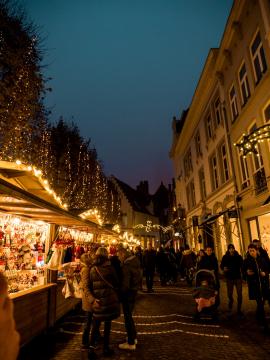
17,201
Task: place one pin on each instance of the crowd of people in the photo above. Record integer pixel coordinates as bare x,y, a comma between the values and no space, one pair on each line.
111,279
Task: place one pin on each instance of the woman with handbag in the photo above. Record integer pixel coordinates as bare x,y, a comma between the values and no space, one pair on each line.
104,286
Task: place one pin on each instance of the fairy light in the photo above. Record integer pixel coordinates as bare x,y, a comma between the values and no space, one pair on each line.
45,183
249,143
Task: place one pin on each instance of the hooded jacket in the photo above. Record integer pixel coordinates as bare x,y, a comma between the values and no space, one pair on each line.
87,296
104,286
131,275
234,263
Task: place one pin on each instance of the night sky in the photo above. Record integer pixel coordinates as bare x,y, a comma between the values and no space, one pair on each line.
122,69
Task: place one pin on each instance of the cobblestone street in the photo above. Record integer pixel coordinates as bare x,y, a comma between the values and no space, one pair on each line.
166,330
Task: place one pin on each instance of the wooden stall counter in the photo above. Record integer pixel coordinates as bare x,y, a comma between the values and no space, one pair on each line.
34,310
63,306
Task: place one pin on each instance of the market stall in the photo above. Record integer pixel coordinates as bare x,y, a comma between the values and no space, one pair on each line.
30,218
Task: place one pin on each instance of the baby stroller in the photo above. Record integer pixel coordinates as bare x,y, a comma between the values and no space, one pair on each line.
205,294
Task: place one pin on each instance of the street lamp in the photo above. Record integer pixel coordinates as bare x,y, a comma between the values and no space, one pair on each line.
249,143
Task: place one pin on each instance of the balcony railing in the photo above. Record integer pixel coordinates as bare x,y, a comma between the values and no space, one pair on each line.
260,183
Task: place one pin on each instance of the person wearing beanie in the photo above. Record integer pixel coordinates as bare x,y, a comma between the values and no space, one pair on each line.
104,287
231,265
88,299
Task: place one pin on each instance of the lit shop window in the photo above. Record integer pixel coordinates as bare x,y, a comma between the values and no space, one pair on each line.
258,57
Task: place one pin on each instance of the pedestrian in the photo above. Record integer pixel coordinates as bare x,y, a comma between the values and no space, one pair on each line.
149,264
256,272
139,255
9,337
162,265
87,297
131,279
231,265
189,264
210,262
104,286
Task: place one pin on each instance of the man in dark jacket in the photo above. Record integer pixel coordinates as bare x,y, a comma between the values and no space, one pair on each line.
210,262
131,280
149,265
232,264
256,272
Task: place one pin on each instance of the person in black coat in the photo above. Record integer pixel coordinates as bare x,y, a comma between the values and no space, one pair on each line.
256,272
104,286
131,280
149,265
232,264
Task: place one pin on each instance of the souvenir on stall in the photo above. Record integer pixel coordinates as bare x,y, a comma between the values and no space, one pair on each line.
22,248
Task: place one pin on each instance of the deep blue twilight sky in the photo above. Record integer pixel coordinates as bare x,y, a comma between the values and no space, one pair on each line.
123,68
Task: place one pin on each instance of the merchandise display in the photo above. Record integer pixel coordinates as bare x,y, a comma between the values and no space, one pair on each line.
22,251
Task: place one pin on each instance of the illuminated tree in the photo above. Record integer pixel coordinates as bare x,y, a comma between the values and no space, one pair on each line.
22,114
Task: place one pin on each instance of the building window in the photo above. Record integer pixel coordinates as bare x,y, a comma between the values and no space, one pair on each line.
217,107
258,57
233,103
198,144
191,198
259,178
224,163
244,170
202,184
188,163
214,171
244,85
266,113
208,124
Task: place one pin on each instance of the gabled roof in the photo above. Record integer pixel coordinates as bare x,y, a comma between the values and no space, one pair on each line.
137,201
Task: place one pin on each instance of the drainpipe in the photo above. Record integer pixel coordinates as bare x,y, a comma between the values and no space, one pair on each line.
229,145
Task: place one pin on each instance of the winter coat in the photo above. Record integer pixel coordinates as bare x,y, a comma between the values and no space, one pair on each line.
104,288
210,262
131,276
149,260
188,259
87,297
258,286
234,263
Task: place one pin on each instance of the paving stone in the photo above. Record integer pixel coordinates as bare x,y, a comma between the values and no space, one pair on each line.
166,331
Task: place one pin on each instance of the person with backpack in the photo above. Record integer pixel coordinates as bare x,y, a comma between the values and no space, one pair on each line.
104,287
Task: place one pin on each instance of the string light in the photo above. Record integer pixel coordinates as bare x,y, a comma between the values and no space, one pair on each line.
249,143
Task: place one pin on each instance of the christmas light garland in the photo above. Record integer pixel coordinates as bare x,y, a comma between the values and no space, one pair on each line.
249,143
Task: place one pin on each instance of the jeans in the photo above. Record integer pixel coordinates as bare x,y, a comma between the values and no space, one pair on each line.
95,333
128,304
86,328
230,285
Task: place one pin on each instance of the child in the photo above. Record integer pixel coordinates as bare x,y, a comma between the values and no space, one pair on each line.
204,296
